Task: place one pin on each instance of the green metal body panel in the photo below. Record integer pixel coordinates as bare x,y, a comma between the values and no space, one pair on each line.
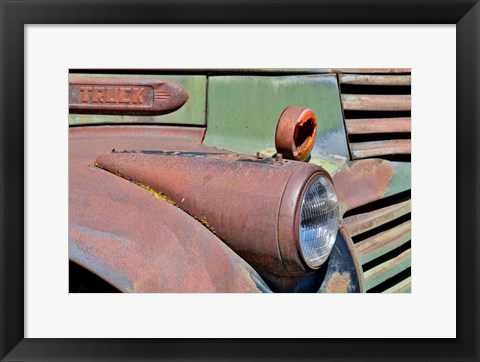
401,179
331,163
191,113
243,111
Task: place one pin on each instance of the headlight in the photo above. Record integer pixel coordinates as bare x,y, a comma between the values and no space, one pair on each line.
318,221
281,216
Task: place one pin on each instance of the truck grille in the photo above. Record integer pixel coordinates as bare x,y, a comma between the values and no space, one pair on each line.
377,109
381,234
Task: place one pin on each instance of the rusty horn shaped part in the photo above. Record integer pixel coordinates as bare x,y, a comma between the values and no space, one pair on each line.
295,134
251,204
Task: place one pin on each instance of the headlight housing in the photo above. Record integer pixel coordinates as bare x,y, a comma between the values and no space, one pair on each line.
318,221
279,215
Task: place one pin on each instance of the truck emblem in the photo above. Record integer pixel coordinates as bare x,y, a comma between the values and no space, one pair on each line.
124,95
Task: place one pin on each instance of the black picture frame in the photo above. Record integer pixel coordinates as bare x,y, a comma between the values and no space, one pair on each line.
15,14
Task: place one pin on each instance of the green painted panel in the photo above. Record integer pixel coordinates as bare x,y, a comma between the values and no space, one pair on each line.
191,113
331,163
401,179
243,111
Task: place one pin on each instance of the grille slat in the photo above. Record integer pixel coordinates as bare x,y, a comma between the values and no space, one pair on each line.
376,102
384,242
379,125
380,148
363,79
361,223
405,286
387,269
373,70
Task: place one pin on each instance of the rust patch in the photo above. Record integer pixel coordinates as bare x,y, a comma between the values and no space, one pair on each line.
361,182
338,283
160,196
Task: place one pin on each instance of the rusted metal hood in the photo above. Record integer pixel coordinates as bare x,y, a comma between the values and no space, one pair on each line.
135,241
139,244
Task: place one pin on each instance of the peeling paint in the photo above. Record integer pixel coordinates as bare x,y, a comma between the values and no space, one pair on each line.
338,283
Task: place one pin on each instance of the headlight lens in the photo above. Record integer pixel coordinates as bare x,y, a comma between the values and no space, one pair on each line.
318,224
